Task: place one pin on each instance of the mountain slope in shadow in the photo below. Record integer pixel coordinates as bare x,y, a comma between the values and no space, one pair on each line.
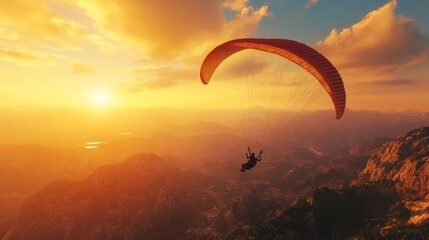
142,196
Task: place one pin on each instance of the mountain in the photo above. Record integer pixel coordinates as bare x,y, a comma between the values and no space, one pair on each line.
25,169
318,129
355,128
331,214
404,161
142,196
198,128
352,195
388,200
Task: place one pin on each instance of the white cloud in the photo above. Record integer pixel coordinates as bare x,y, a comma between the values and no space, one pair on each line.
380,40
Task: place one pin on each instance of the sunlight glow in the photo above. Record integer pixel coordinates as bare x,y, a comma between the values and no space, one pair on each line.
100,99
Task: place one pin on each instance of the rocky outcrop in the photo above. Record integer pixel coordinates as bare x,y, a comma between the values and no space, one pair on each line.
404,161
388,200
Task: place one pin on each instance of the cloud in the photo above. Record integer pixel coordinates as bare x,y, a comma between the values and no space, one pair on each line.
311,3
131,88
175,31
163,72
102,43
35,20
245,22
173,28
8,35
25,56
160,29
29,30
157,84
157,77
82,68
18,56
380,40
235,5
142,85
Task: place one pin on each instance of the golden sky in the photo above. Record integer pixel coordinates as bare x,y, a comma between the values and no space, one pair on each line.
134,53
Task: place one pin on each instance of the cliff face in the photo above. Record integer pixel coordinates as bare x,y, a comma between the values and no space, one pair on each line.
404,161
141,196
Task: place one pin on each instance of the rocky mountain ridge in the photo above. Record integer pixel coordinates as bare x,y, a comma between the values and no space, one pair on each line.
388,200
404,161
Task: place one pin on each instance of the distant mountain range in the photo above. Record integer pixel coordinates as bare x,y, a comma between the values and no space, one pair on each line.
71,128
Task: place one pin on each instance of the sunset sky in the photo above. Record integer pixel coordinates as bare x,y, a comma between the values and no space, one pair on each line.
147,53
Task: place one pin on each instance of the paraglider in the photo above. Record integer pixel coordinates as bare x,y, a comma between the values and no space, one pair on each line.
251,160
299,53
302,55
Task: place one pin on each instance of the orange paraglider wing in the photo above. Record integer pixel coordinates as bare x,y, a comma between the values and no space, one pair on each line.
299,53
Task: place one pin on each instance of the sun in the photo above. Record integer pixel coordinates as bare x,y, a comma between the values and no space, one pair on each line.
100,99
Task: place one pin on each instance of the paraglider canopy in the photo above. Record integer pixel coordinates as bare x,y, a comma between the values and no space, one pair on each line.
304,56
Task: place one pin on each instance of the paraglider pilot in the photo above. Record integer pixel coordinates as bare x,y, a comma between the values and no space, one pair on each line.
251,160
